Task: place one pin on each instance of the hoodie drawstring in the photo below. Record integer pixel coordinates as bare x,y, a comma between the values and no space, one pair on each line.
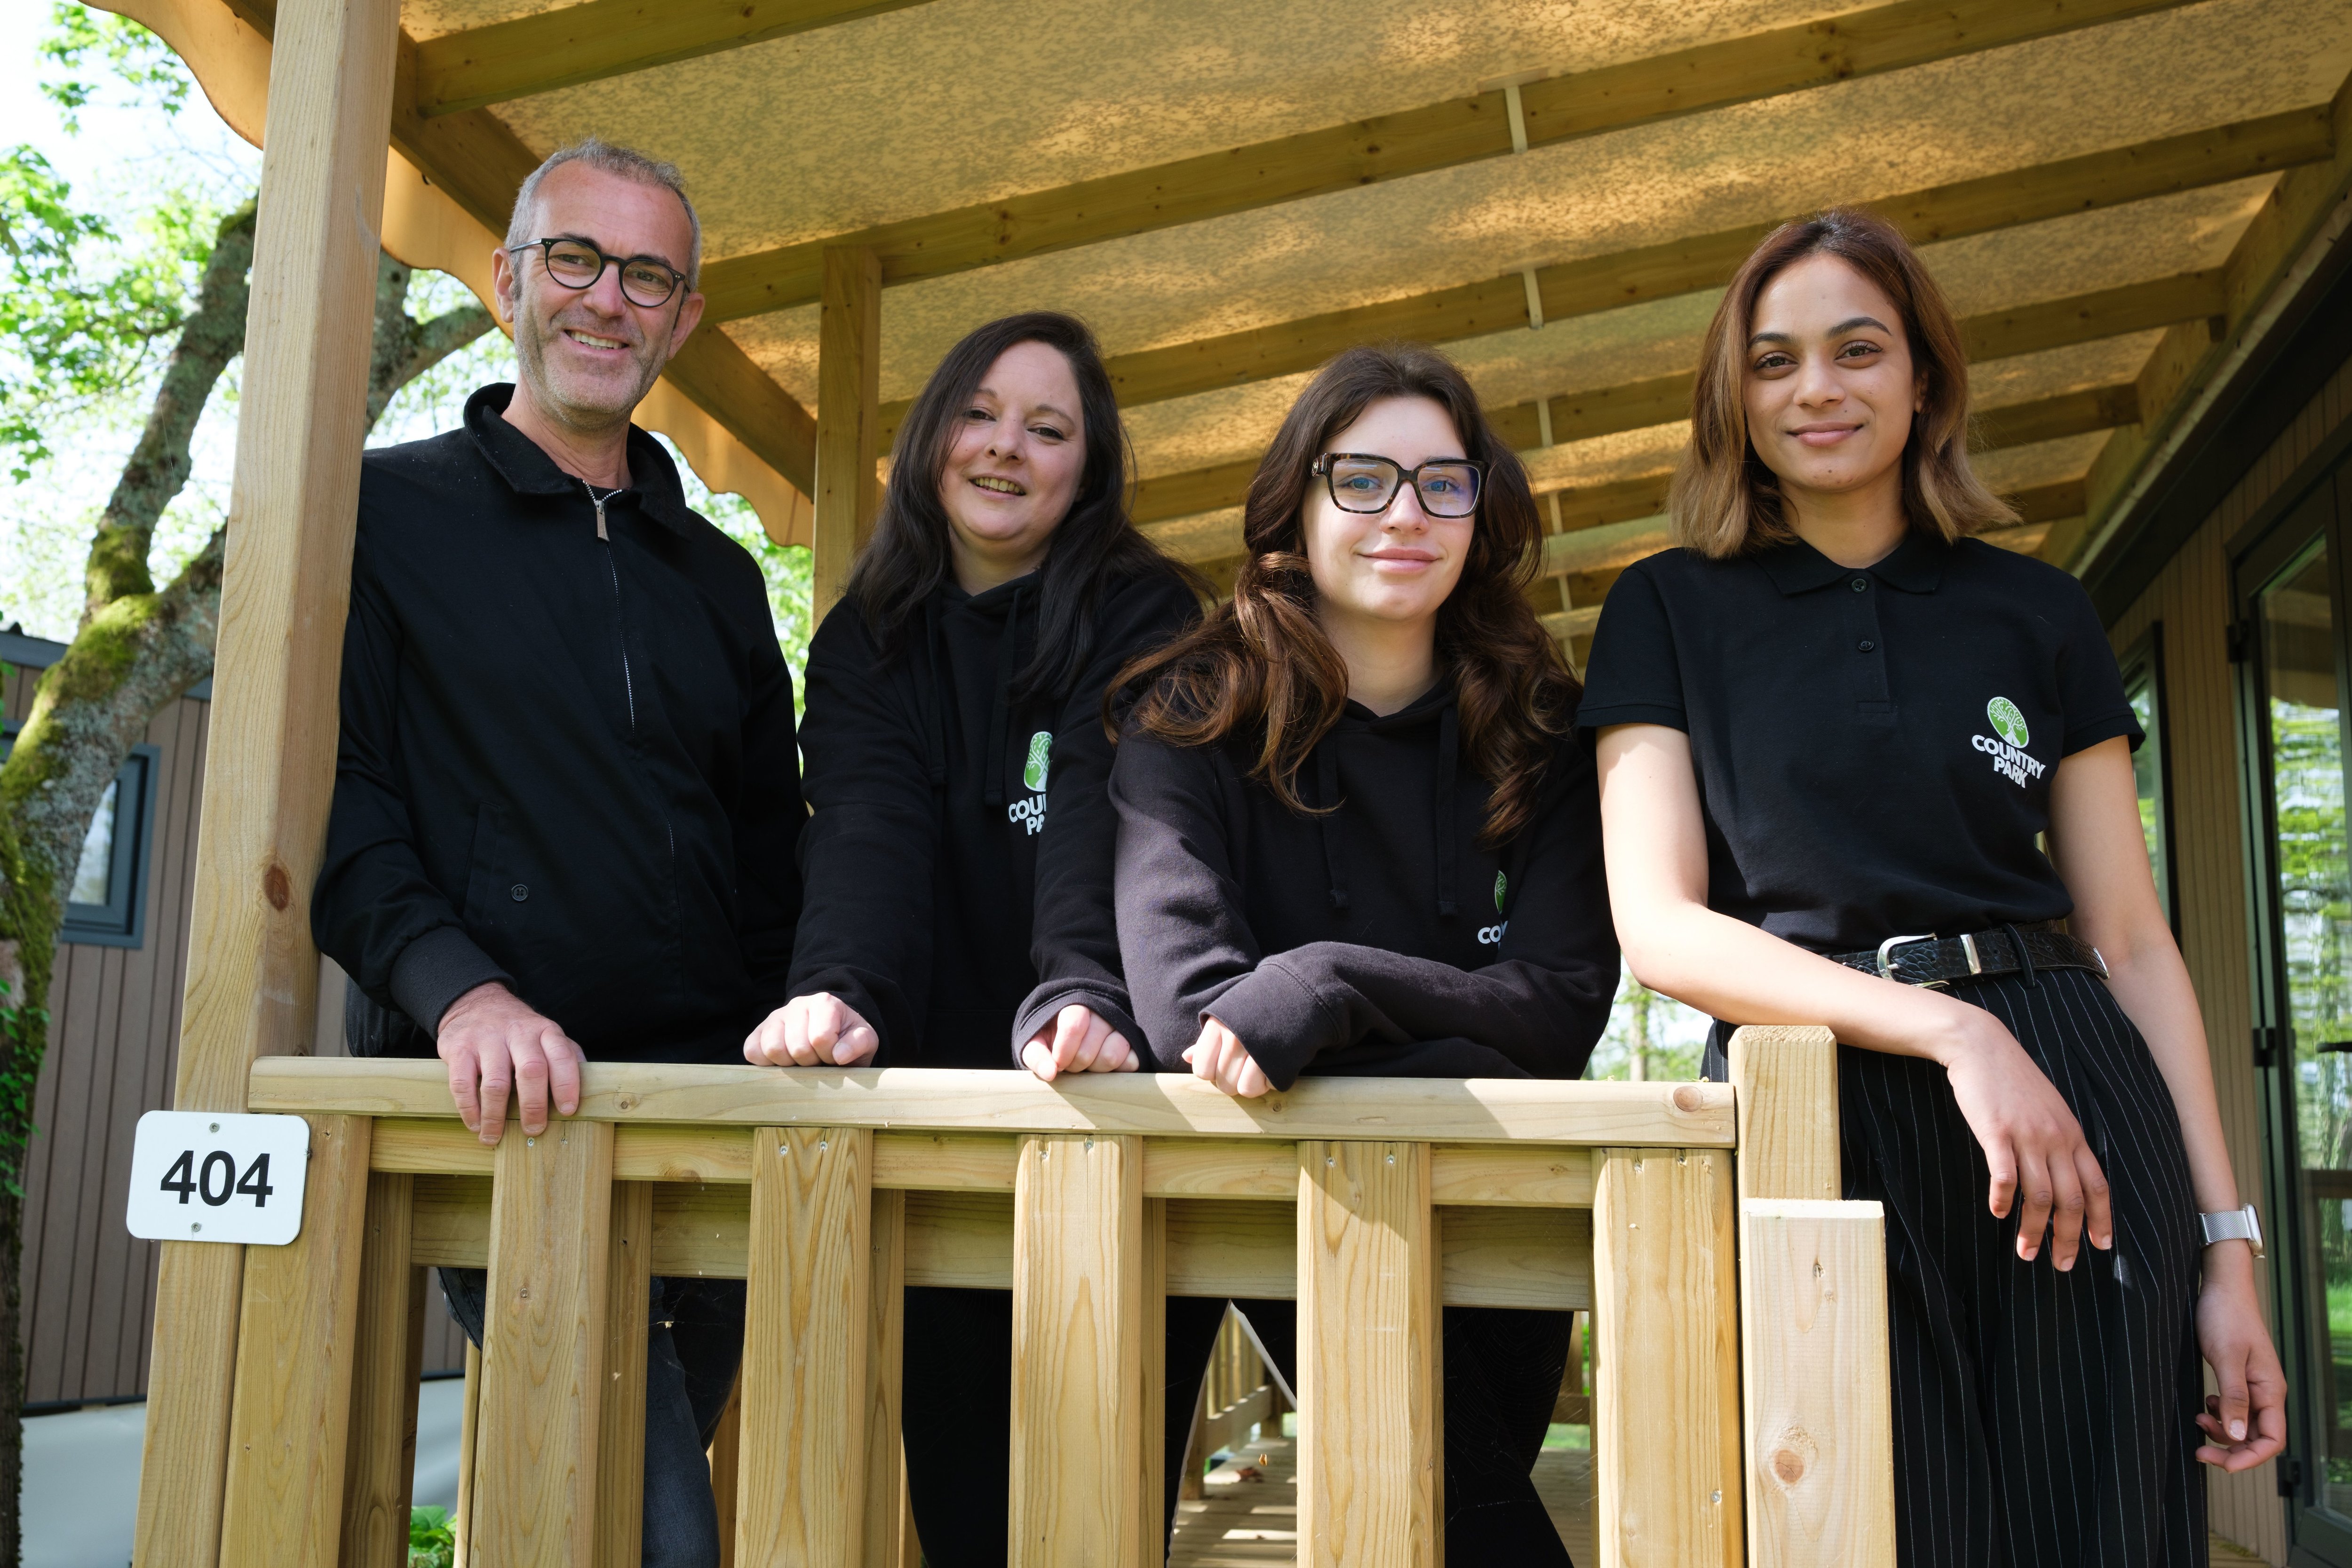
1000,713
1442,842
1327,795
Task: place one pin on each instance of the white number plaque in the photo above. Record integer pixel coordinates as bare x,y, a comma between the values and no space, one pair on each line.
201,1176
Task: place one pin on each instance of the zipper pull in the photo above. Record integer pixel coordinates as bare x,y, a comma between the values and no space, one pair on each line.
599,514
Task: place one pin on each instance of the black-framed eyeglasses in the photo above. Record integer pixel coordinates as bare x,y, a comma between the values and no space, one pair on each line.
1364,481
646,280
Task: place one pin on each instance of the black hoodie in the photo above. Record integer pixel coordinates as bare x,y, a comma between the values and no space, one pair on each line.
957,860
1381,937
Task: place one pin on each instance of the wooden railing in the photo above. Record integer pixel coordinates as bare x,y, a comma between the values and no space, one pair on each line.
1370,1202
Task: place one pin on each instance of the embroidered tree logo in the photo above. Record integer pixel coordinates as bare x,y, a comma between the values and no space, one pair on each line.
1041,753
1500,883
2008,722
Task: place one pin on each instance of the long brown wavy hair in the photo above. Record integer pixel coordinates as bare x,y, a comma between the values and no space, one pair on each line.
1725,501
1260,664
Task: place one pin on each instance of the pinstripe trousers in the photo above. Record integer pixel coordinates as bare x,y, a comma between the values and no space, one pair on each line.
2042,1420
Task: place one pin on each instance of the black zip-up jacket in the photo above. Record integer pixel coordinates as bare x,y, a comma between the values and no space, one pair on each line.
958,854
567,761
1377,938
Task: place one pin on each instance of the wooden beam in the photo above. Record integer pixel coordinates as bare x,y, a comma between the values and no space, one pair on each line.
888,1525
1787,1078
1368,1395
290,1429
1663,400
849,371
2030,195
1075,1489
800,1498
1455,1110
621,1415
386,1341
1665,1422
1411,142
544,1347
2053,418
252,973
589,42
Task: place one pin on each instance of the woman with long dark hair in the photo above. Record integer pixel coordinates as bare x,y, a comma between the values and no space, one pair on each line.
955,863
1356,834
1831,729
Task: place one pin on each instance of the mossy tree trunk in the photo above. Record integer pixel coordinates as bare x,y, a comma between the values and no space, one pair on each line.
138,649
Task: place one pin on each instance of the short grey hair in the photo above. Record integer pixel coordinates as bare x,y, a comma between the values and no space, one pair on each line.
626,162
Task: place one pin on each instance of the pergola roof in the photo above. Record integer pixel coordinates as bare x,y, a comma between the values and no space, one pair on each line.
1231,190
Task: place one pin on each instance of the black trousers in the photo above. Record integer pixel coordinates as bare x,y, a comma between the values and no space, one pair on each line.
2042,1420
1503,1370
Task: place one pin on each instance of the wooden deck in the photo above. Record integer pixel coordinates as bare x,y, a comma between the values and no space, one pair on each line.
1251,1513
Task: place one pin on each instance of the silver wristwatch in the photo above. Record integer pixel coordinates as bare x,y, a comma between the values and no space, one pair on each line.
2233,1225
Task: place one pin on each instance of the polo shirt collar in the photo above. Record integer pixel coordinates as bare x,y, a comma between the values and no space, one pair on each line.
1915,566
528,471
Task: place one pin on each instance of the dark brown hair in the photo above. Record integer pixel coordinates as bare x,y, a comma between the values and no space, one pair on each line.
1095,544
1261,666
1725,501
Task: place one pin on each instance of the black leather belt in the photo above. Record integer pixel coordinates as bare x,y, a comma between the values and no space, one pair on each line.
1979,955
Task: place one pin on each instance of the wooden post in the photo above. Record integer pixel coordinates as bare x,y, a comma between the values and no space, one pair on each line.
1665,1419
1151,1541
1077,1351
801,1495
1367,1395
544,1347
1821,1421
252,975
885,1285
382,1459
469,1442
290,1425
848,413
726,1457
1786,1079
621,1421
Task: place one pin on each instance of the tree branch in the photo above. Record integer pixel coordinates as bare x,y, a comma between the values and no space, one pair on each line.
213,334
404,348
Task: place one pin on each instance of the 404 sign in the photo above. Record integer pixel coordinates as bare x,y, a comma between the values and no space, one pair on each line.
200,1175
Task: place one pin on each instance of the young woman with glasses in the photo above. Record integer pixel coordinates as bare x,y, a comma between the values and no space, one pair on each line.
1356,835
956,864
1831,729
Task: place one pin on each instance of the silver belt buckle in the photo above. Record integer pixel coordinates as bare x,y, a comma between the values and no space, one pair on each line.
1887,954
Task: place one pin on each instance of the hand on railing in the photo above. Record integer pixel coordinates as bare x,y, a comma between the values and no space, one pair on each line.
1220,1056
817,1031
1081,1040
492,1042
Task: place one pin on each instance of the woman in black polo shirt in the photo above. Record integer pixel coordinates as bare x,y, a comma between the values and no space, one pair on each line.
1358,836
1831,728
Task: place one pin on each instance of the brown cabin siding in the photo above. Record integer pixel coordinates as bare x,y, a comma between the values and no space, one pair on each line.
2190,597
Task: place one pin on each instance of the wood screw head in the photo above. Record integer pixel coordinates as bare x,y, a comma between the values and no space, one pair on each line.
530,1142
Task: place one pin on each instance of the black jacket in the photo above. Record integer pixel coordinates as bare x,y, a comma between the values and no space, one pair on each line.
1377,938
957,857
566,764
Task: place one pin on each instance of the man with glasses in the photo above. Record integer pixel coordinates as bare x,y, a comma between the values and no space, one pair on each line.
567,792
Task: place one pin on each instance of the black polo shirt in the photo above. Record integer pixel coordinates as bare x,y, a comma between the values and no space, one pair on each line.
1874,746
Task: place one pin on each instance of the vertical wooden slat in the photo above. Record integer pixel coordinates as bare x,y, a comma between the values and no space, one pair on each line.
885,1282
848,417
384,1384
469,1443
1665,1420
726,1457
910,1547
544,1347
1152,1395
801,1495
1785,1082
1368,1393
1815,1364
621,1422
290,1429
252,971
1077,1351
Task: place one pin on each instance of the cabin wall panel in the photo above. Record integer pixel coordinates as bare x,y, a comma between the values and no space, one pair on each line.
2192,597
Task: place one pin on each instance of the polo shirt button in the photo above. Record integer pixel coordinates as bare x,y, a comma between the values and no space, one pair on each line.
1861,584
1865,646
520,892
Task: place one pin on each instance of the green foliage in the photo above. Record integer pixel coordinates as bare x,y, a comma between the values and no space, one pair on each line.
22,1031
787,568
126,54
432,1541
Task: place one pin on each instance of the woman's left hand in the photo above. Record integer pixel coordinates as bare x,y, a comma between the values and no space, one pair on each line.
1220,1056
1081,1040
2245,1424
